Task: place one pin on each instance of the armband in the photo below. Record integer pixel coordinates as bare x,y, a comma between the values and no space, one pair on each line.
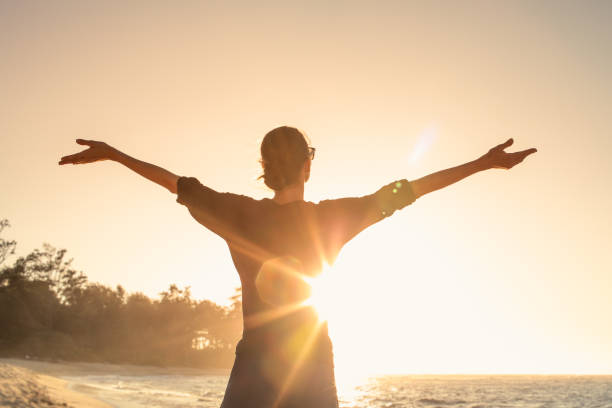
394,196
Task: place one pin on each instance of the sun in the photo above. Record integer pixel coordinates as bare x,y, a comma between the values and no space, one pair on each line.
324,296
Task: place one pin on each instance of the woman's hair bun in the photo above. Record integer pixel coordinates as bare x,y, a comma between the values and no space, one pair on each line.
283,152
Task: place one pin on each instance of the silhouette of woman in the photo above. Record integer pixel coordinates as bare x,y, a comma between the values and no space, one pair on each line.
284,358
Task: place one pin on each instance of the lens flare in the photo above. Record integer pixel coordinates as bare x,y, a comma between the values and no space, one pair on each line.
424,142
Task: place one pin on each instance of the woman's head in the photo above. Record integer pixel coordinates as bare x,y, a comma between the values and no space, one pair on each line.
285,157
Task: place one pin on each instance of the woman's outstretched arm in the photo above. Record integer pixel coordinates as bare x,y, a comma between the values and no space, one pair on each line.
495,158
99,151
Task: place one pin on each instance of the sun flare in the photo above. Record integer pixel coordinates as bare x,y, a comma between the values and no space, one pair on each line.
323,294
337,305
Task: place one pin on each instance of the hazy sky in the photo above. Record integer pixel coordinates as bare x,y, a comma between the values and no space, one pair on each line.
507,271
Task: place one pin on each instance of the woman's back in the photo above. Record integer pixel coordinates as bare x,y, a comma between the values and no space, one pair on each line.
278,244
275,247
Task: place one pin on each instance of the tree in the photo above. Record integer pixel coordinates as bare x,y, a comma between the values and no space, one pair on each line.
6,247
50,310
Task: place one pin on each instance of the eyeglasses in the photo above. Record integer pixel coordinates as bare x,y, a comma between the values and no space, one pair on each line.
311,152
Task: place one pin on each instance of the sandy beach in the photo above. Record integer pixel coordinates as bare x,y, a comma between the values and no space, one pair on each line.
31,383
28,387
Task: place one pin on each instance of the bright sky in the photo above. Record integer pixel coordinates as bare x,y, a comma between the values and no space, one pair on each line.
507,271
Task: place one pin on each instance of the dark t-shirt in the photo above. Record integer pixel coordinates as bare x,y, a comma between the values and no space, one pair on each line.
273,244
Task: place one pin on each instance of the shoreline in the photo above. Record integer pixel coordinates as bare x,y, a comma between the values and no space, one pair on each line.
75,368
34,383
24,387
26,383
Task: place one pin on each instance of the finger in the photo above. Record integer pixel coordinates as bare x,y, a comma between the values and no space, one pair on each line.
78,154
73,158
502,146
524,153
527,152
86,142
69,159
518,157
80,160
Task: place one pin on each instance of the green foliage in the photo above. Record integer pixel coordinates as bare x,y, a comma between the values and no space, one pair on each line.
50,310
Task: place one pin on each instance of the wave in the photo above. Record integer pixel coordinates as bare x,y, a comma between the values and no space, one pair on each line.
433,401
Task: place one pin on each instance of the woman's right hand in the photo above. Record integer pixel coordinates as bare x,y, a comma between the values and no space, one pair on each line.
97,151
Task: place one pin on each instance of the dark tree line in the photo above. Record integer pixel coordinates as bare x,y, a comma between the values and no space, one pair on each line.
49,310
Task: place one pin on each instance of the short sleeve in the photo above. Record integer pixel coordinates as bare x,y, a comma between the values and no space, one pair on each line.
344,218
223,213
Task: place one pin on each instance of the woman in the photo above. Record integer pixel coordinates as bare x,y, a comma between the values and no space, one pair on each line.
284,358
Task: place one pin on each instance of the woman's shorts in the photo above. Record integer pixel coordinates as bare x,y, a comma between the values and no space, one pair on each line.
259,380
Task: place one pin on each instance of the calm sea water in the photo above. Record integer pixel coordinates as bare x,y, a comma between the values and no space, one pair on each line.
378,392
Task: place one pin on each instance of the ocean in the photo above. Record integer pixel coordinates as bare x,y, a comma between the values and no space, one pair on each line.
393,391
